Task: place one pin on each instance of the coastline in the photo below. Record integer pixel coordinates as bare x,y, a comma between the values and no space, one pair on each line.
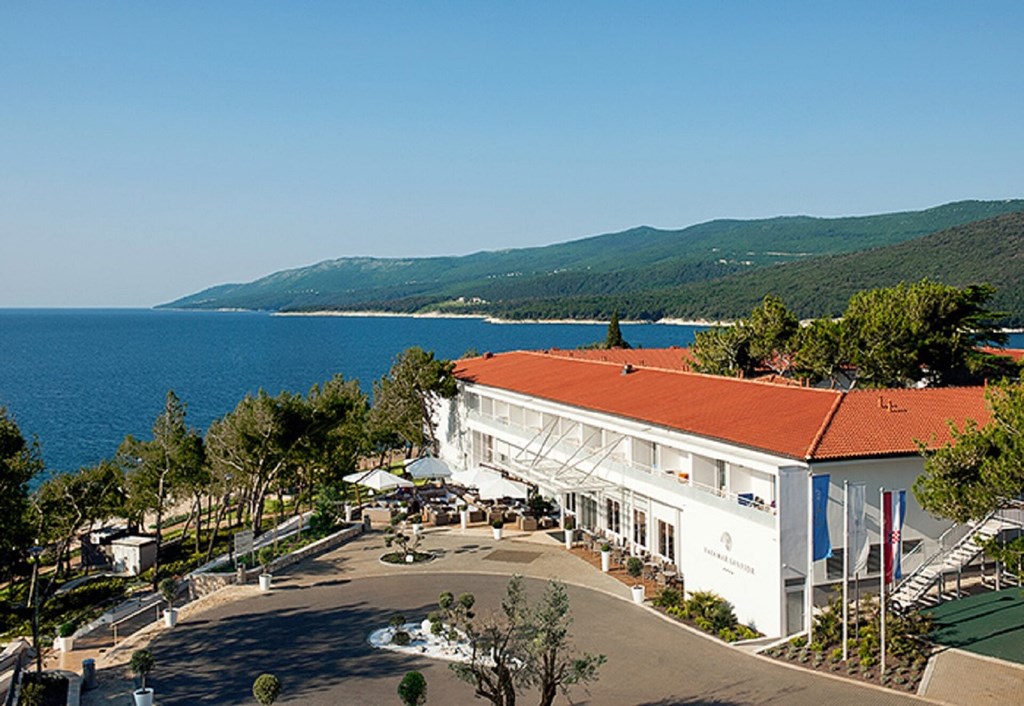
494,319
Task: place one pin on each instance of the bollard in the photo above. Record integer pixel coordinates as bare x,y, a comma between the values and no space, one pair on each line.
88,674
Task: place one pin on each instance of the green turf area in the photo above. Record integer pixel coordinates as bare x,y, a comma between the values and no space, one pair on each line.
988,624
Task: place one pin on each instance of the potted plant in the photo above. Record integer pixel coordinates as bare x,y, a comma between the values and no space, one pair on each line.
635,567
141,665
65,637
168,590
266,689
496,526
606,557
266,556
413,689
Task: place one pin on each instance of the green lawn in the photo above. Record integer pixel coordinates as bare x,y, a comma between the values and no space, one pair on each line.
988,624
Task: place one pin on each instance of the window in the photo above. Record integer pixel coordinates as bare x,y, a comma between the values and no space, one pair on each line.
640,528
667,540
487,406
834,565
721,479
643,454
472,401
591,436
515,415
613,515
588,513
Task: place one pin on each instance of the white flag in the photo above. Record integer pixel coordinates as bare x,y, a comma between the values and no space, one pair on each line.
858,542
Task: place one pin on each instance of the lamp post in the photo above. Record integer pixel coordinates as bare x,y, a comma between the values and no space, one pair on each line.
33,599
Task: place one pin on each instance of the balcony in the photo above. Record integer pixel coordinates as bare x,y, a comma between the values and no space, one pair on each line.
541,463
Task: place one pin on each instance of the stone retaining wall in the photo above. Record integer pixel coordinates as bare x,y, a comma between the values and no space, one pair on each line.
203,584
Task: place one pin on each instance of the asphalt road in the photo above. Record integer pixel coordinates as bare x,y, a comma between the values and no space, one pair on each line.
313,638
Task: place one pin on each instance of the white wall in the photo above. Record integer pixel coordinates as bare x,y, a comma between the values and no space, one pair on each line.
893,474
737,559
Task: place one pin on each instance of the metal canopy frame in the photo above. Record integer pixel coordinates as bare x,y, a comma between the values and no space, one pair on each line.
534,461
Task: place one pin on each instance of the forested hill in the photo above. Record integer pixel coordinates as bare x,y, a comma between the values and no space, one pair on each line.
989,251
580,278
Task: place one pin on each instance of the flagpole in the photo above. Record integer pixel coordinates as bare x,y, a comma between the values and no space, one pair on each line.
885,551
846,568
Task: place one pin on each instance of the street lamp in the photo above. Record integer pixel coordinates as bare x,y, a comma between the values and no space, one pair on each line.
33,599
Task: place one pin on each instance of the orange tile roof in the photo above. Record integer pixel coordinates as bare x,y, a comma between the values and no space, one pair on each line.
1014,354
893,421
798,422
672,358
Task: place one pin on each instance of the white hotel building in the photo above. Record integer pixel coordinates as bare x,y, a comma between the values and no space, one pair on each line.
708,473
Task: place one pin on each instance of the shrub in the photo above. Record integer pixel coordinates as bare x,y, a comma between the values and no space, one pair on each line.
266,689
606,547
668,597
413,689
31,694
497,524
837,654
266,555
66,629
168,590
634,566
799,641
401,637
141,665
397,620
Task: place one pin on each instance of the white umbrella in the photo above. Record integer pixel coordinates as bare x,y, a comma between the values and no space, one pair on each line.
378,480
473,477
428,467
501,488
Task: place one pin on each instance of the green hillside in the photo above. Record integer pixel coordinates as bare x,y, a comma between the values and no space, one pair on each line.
989,251
632,264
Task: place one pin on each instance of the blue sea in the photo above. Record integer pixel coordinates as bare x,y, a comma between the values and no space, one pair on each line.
81,379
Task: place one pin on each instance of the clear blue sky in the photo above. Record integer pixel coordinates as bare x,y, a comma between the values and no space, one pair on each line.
148,150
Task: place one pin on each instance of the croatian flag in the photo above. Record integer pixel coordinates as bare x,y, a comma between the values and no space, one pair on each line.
894,508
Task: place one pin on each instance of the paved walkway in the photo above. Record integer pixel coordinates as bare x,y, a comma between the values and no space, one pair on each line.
311,631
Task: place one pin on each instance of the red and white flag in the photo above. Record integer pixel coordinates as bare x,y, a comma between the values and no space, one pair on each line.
894,508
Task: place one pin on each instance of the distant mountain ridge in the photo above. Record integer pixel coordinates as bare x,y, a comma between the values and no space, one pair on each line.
579,278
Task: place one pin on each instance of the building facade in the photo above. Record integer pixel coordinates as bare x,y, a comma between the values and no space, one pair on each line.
710,474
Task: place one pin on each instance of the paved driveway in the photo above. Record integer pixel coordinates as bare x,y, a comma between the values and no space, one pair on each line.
312,634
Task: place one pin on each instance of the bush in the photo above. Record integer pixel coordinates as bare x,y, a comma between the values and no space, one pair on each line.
266,689
668,597
168,590
31,694
606,547
141,664
634,566
266,555
66,629
397,620
413,689
497,524
401,637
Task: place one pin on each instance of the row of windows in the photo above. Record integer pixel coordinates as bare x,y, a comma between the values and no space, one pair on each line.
642,453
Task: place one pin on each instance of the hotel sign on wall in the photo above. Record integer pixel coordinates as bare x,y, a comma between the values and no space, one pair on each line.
723,553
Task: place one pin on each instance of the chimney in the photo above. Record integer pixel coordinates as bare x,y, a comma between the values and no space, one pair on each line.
627,369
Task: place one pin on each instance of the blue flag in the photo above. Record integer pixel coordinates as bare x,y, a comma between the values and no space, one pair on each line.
822,543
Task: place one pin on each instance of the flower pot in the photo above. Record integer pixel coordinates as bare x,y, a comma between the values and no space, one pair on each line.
496,531
417,528
638,594
265,582
606,561
65,644
171,617
464,518
143,697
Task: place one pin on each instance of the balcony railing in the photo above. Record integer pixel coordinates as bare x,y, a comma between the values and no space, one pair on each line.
521,439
